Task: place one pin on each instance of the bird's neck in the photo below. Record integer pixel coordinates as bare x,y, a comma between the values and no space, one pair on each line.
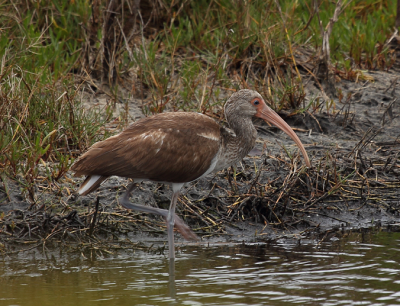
244,130
236,147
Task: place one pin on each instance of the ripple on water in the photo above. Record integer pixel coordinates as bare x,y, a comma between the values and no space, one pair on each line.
359,270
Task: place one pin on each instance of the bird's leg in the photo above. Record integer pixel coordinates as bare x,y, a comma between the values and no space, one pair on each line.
232,173
234,177
170,224
186,232
127,194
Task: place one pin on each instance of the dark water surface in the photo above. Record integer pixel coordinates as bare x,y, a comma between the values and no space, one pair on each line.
361,269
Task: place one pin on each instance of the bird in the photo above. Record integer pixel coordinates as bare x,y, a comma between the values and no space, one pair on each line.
176,148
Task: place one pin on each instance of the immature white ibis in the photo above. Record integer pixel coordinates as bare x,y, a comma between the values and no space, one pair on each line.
175,148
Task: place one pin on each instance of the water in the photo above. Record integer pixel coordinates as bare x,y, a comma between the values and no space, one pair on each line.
361,269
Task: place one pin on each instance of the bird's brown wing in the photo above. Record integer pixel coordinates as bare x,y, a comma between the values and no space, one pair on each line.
169,147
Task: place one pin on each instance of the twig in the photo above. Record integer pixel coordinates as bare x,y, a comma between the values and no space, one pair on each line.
93,223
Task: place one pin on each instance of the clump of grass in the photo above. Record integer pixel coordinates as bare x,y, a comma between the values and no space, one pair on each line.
43,35
43,125
204,46
359,36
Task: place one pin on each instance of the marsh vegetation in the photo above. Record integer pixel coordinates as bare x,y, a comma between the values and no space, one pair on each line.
75,72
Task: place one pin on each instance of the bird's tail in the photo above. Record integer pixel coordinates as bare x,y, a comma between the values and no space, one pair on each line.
91,183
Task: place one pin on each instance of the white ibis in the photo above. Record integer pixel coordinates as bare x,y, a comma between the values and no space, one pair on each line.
175,148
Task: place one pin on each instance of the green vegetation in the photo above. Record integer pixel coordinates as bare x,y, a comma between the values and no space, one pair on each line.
43,124
186,55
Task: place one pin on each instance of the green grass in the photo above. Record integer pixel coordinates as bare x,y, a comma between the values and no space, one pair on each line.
43,124
244,44
41,35
43,127
189,57
360,32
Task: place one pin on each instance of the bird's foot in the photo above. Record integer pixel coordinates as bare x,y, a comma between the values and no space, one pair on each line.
185,230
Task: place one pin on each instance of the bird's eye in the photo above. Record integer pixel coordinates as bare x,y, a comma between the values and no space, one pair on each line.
256,102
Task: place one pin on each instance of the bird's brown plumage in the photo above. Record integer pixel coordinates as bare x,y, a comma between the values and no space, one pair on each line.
176,148
169,147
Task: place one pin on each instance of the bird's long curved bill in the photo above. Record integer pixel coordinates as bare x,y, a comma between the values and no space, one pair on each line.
269,115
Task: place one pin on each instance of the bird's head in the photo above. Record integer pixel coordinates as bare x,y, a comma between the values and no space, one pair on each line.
243,103
250,103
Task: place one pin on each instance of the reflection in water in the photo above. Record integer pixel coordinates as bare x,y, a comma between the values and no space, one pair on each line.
361,269
171,280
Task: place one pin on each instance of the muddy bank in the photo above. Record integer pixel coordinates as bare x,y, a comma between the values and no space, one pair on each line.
354,183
